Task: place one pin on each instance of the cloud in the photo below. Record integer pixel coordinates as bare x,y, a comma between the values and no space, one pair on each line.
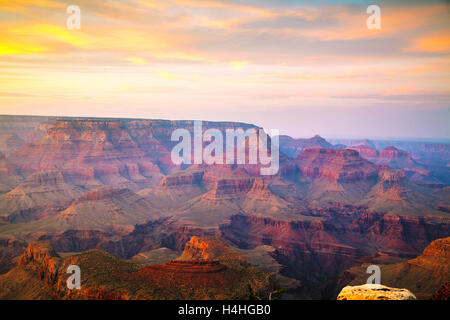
15,95
432,43
166,75
241,54
24,5
236,65
136,60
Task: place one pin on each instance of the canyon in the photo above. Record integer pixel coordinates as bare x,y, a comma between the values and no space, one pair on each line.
109,185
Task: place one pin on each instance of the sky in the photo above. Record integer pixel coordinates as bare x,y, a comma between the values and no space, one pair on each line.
302,67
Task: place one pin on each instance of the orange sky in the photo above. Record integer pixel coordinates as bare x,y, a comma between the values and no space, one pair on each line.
302,67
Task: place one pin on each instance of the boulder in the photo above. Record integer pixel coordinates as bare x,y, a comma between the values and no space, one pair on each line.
374,292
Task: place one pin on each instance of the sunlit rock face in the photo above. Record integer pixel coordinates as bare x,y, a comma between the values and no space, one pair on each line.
374,292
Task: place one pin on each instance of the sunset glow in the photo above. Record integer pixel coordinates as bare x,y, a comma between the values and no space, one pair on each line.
304,67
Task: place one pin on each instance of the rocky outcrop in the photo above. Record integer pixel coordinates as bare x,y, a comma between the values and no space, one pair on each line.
374,292
438,248
200,255
234,188
45,258
338,165
230,187
190,178
293,147
196,249
206,249
46,178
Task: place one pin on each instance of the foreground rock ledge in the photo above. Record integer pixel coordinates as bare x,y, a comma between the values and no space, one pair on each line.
374,292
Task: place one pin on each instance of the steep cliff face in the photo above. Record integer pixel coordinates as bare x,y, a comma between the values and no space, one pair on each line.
190,178
196,249
230,188
338,165
216,185
207,248
121,152
45,258
102,145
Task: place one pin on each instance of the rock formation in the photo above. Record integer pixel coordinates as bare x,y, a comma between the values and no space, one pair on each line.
41,274
374,292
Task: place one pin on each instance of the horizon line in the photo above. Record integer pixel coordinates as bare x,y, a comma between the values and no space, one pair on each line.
373,138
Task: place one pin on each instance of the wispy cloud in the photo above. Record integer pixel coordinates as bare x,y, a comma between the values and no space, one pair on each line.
242,55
